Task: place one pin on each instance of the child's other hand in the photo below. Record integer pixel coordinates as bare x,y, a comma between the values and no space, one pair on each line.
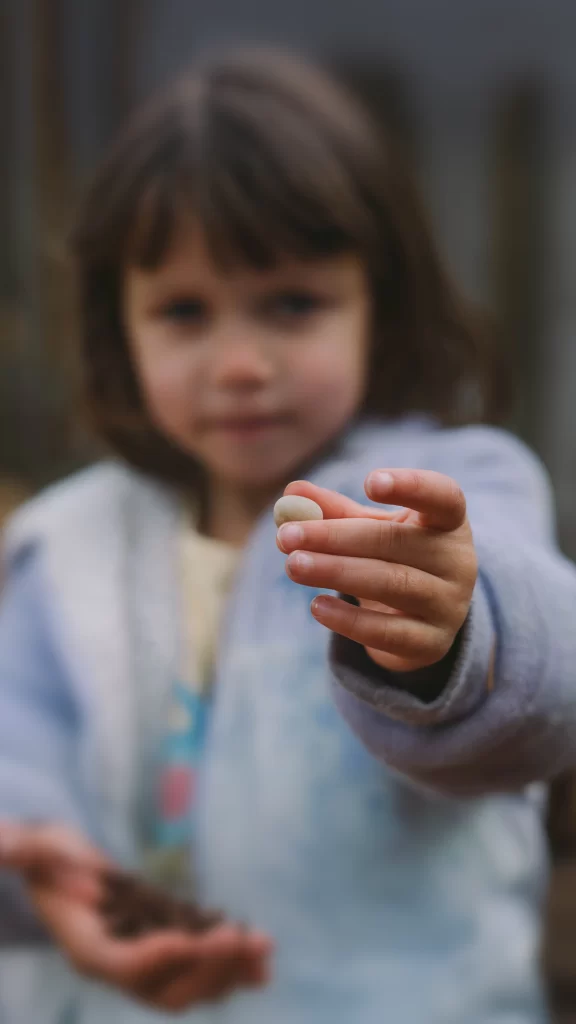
169,970
413,571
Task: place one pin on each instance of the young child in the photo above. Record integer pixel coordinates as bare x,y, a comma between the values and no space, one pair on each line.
360,777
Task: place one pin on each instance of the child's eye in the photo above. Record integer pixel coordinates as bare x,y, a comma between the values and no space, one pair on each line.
185,311
294,306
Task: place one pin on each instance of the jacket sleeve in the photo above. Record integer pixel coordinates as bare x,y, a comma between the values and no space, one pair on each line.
506,715
38,727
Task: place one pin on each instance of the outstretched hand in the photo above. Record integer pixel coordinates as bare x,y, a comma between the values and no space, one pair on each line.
170,970
413,571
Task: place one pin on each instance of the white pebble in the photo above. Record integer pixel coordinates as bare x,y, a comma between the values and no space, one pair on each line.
292,508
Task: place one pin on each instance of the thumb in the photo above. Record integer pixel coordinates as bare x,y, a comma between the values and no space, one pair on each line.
38,849
334,505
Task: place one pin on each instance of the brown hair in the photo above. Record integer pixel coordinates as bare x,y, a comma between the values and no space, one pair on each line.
273,159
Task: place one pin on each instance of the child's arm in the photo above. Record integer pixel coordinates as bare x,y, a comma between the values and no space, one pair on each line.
499,710
168,968
43,835
37,729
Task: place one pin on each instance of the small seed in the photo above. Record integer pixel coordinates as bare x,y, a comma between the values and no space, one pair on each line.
293,508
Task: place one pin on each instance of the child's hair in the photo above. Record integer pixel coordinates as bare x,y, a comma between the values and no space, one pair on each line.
273,160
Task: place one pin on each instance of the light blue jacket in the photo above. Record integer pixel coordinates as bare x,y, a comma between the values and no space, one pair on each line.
393,849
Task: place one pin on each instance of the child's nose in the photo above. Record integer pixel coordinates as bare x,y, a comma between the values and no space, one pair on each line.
241,360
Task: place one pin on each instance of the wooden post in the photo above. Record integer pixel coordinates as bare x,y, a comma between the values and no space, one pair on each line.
521,244
53,178
39,436
7,281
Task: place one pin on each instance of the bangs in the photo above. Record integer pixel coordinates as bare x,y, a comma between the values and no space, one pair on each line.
263,181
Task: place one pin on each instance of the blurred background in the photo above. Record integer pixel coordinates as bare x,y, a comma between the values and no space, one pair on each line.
483,95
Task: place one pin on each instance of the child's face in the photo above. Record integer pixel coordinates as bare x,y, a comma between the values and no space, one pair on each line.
250,372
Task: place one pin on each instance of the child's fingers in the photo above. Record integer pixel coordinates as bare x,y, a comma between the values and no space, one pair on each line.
179,983
257,945
183,985
173,974
334,505
132,961
256,962
405,640
257,973
126,963
189,988
144,967
399,586
153,964
135,960
401,543
437,497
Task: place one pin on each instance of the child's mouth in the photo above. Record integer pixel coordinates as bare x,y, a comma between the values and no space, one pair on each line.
247,427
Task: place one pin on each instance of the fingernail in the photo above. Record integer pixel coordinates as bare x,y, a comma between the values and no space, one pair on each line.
290,536
321,605
379,483
300,561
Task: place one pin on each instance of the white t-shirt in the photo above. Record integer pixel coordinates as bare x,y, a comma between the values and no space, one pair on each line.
208,568
207,573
